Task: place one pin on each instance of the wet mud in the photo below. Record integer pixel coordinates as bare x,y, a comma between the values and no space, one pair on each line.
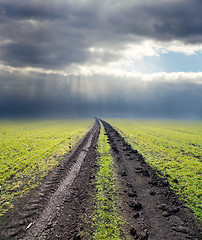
150,206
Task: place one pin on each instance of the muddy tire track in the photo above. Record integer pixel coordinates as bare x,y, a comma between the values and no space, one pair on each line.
56,208
152,210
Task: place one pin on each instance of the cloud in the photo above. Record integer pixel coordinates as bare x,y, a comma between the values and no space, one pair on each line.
86,57
56,34
147,95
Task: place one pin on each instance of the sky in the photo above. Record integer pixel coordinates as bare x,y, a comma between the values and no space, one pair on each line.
84,58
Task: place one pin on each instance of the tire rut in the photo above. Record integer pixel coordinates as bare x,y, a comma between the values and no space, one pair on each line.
151,207
40,228
37,215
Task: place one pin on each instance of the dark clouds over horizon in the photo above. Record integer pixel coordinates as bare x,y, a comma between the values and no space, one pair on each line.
98,96
45,45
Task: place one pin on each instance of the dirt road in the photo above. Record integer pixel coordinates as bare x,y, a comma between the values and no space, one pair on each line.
61,208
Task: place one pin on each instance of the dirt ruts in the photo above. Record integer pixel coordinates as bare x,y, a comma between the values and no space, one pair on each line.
62,206
56,209
151,208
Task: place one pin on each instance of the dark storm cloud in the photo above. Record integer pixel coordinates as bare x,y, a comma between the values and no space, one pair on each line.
53,95
57,34
54,34
162,20
36,9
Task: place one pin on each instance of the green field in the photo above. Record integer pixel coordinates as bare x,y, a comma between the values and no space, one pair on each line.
29,149
172,147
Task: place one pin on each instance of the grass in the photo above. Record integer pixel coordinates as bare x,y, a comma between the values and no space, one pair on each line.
106,220
173,148
29,149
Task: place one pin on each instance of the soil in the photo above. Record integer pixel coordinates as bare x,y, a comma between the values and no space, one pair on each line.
61,207
151,208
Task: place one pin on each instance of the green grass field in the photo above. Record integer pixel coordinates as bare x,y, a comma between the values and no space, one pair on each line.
172,147
29,149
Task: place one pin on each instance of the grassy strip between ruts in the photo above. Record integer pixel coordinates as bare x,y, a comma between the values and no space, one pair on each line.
106,221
